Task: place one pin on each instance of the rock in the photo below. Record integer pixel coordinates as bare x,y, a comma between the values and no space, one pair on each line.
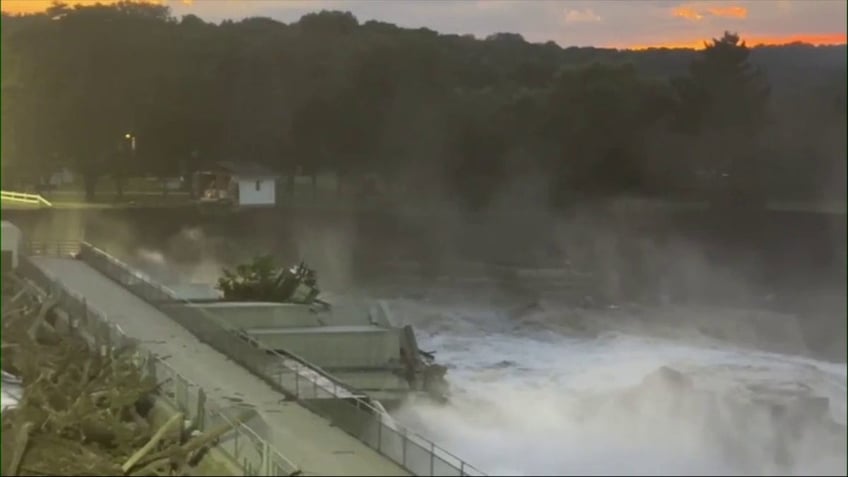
668,377
803,409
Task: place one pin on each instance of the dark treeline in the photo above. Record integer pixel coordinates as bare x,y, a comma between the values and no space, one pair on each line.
433,115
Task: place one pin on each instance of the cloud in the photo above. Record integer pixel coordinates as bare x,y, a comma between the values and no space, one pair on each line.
493,5
752,41
572,23
692,12
687,13
729,12
37,6
586,15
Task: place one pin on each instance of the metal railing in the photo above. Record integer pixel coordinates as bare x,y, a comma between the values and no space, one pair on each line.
58,248
291,375
24,198
242,444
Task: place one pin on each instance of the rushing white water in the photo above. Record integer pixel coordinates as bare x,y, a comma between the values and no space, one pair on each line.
537,401
10,392
563,393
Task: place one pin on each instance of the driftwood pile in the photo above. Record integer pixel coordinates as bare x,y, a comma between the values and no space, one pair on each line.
81,413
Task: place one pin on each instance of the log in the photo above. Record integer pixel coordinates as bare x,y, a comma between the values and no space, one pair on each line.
160,458
7,305
79,414
21,443
151,444
40,319
138,420
206,438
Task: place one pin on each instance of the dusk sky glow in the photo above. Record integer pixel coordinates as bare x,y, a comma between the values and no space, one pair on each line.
602,23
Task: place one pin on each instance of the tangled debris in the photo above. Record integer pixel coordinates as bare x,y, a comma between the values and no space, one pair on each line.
80,413
262,280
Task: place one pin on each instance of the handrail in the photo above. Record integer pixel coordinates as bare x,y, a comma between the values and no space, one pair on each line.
24,198
208,327
169,295
275,463
58,247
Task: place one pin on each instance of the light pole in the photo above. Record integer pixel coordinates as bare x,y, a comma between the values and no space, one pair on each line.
131,138
123,167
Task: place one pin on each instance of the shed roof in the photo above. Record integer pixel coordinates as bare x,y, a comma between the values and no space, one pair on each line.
10,228
245,168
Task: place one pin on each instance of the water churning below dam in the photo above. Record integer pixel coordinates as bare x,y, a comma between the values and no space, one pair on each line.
532,398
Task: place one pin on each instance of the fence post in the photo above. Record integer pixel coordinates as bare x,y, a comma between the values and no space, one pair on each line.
179,391
98,339
403,447
432,458
200,419
173,373
296,383
266,458
235,441
380,433
150,363
103,331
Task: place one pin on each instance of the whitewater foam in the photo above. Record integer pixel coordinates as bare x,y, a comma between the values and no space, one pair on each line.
536,401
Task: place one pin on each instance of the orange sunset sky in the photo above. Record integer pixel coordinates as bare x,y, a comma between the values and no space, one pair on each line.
605,23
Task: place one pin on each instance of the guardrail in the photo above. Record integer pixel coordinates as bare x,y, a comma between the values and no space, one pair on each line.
24,198
242,445
293,376
59,248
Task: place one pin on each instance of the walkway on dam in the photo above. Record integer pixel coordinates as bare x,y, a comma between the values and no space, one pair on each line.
305,438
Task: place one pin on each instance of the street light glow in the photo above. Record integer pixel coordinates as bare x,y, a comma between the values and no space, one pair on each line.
127,135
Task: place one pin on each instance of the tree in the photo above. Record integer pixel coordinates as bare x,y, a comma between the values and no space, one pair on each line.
599,116
92,91
314,126
475,169
261,280
417,108
724,100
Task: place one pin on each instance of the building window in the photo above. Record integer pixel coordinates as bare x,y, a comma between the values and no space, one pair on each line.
258,185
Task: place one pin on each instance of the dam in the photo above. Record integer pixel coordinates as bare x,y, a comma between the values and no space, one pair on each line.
307,421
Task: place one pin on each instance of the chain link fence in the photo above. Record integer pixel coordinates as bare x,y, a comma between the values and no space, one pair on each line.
242,444
351,410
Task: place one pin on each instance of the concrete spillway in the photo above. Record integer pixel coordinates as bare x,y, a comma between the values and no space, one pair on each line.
307,439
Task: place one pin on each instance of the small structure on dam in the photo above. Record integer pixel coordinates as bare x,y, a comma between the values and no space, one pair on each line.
357,343
11,245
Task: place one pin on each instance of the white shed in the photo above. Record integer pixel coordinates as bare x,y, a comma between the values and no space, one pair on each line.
244,184
10,236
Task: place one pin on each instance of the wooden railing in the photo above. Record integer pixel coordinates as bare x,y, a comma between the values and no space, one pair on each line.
23,198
